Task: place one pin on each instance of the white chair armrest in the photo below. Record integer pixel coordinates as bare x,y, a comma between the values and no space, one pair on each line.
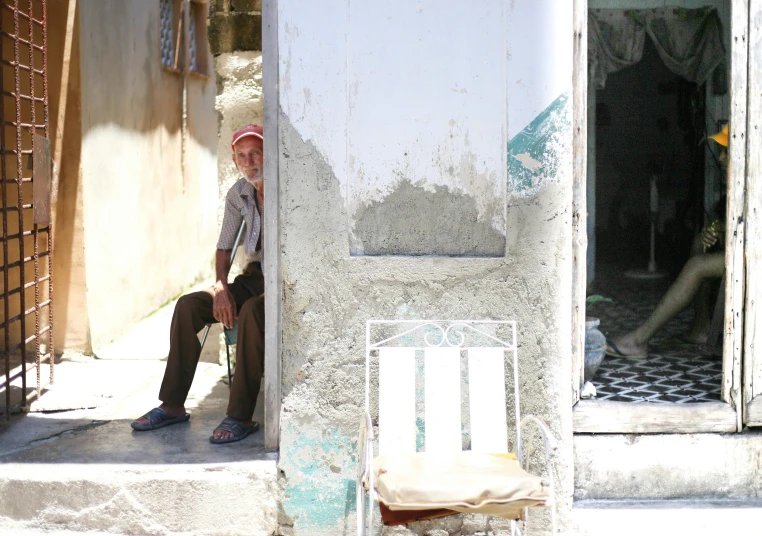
547,436
550,445
365,453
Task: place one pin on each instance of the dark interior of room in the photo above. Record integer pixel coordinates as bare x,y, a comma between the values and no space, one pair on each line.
649,121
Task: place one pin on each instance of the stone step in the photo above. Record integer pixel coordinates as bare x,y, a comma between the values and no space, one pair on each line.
666,518
87,471
668,466
223,498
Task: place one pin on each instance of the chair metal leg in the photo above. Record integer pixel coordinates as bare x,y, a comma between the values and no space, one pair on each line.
230,376
206,333
361,509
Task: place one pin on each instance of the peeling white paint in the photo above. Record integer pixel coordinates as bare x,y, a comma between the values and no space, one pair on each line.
420,99
528,162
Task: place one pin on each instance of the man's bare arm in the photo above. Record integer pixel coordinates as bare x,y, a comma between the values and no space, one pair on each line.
224,308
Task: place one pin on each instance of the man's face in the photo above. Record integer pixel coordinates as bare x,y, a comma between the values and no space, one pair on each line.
248,158
723,158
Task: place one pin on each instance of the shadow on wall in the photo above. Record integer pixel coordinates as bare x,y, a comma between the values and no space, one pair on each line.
413,220
116,122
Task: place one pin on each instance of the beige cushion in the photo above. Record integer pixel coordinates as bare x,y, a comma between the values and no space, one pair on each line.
467,482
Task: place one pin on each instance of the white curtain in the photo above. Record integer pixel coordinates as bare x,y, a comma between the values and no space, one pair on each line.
689,41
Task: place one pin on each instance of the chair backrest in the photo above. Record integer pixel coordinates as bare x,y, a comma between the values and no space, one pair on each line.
440,386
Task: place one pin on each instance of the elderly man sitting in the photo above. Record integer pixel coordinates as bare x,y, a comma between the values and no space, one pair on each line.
706,263
243,299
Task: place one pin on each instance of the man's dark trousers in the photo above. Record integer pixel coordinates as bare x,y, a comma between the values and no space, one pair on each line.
193,312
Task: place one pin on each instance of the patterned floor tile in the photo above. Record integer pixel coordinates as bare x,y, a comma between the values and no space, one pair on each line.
682,375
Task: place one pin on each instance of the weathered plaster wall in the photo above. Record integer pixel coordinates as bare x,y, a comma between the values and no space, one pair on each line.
235,38
150,230
329,294
71,327
238,103
668,466
442,130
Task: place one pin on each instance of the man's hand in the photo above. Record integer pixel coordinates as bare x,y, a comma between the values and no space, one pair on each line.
224,308
710,234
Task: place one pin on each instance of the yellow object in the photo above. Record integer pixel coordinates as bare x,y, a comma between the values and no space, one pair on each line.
721,137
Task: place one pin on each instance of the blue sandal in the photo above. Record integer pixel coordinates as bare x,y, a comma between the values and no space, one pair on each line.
235,427
158,418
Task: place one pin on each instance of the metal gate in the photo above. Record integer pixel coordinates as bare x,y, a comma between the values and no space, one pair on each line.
27,245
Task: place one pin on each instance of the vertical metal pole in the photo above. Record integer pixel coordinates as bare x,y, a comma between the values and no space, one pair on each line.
516,384
35,227
186,76
46,111
227,353
271,225
19,182
367,365
6,297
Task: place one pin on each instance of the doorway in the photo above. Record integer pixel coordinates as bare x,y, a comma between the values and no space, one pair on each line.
650,171
653,181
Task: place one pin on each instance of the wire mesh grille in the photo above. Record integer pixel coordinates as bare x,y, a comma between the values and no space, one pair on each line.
167,40
27,282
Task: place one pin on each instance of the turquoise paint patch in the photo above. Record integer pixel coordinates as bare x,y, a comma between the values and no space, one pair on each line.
420,425
535,153
318,496
420,435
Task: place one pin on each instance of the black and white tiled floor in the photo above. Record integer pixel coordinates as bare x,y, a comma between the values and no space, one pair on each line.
669,374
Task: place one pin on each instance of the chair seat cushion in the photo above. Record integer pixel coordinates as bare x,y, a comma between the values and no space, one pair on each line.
468,482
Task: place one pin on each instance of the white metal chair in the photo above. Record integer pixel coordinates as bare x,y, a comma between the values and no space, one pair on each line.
414,384
231,335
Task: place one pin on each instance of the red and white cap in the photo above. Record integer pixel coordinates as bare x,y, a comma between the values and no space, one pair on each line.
249,130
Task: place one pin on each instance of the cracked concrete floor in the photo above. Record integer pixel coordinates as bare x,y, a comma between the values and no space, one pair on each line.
122,390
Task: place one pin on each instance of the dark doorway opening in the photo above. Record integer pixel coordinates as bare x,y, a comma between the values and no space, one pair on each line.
650,134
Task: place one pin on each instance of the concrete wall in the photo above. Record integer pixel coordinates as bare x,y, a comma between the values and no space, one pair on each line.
235,38
238,103
329,293
150,229
668,466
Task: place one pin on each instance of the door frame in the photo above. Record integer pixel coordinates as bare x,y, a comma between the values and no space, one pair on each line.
595,416
273,284
752,361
